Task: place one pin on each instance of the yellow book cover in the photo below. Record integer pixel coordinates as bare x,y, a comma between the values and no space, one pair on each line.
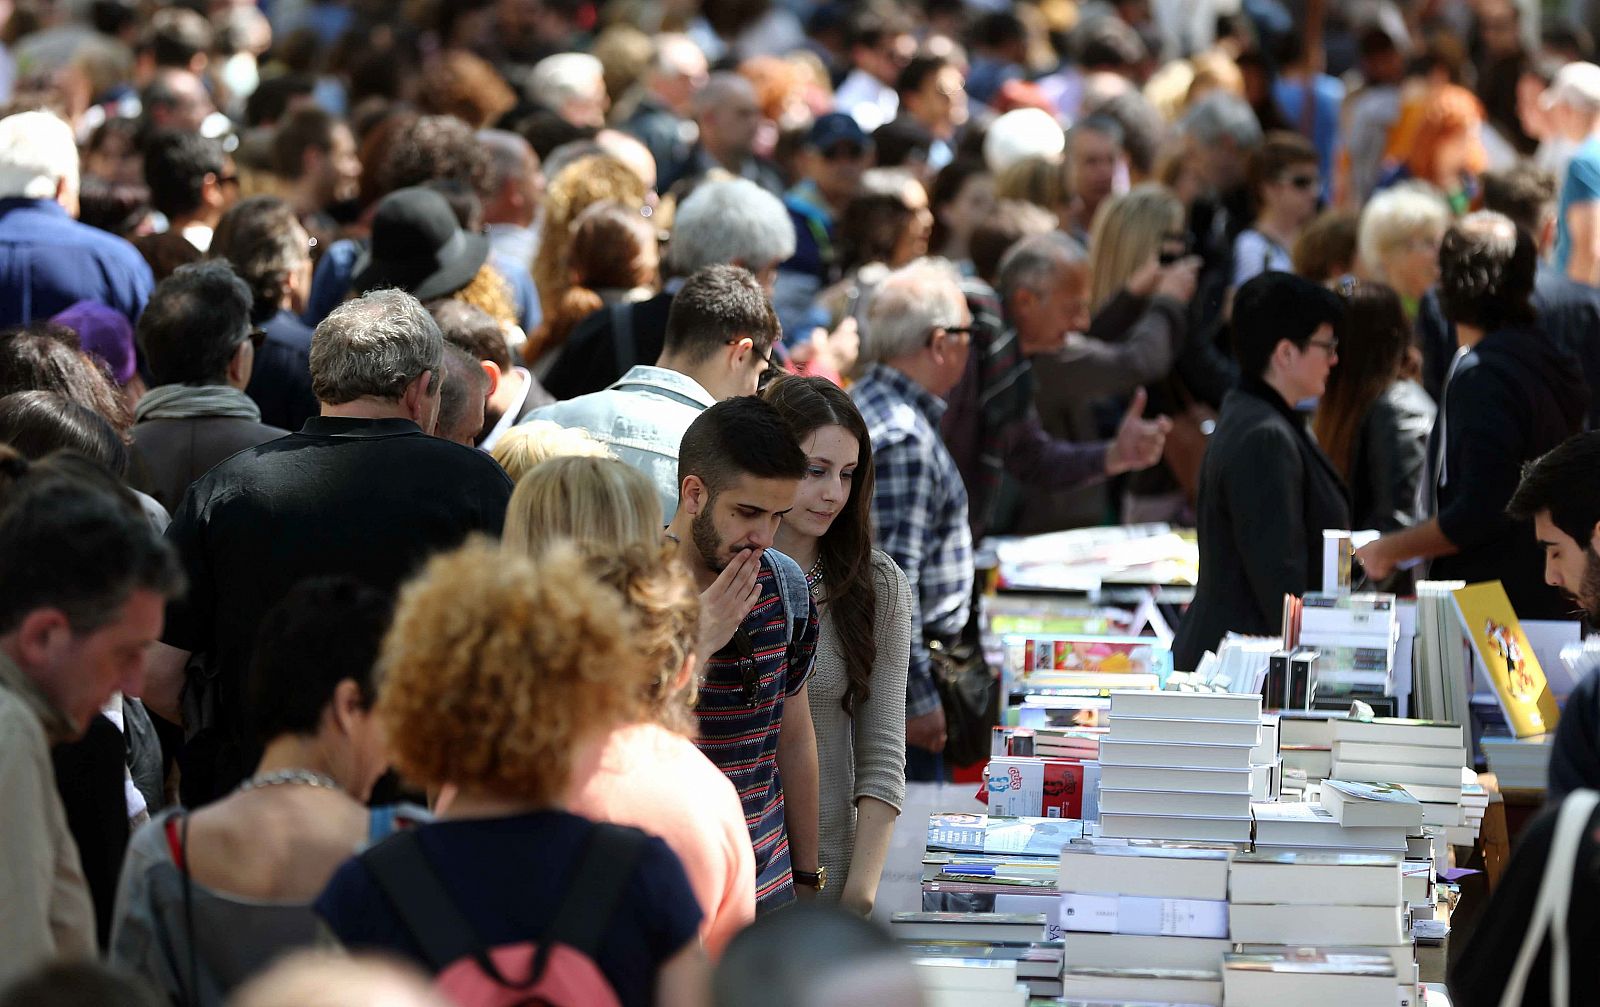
1519,682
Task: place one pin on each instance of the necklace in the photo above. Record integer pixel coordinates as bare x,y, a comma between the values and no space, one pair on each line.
288,776
814,575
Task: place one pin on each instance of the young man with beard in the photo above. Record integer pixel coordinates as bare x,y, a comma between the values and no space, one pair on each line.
739,470
1560,493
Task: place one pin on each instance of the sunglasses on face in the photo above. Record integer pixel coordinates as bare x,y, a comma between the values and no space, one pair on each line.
958,332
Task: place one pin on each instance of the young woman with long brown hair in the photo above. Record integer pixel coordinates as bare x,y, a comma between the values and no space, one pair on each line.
858,690
1372,421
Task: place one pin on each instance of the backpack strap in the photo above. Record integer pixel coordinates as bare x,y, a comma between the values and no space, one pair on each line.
426,910
605,871
1550,907
793,592
622,342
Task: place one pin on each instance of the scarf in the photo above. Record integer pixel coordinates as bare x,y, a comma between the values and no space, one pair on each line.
187,402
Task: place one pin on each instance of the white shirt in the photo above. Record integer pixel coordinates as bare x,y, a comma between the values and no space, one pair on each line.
509,418
868,100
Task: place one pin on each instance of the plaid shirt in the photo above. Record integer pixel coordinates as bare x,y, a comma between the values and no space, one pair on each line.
919,514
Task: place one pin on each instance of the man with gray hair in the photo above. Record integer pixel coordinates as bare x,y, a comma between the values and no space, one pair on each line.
517,188
664,117
915,346
573,86
732,222
1069,367
48,260
728,117
361,491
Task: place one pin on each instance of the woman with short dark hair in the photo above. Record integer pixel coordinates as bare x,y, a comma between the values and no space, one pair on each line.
1266,490
210,897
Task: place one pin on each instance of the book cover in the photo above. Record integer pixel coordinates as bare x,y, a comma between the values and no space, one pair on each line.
1034,787
995,834
1508,658
1360,803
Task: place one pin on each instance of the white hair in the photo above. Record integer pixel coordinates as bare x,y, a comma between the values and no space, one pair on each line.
673,50
909,304
1395,216
37,151
1022,133
1222,116
563,77
1033,261
730,222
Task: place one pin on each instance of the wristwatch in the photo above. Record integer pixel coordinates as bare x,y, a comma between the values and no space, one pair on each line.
817,879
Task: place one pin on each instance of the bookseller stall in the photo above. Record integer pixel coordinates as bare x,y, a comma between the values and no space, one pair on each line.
1268,828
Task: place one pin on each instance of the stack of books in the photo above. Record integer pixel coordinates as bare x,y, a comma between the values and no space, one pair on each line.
1519,763
1285,826
1141,984
984,864
982,928
1441,670
1474,805
1354,636
1425,757
1308,977
1306,744
1282,901
1266,765
1176,766
1035,966
970,982
1144,905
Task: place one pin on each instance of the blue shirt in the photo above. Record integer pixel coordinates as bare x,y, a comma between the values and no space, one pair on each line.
507,876
919,515
280,382
49,262
1581,186
739,727
1326,103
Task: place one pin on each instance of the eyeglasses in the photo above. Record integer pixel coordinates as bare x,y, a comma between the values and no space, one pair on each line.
766,358
257,336
749,676
1329,346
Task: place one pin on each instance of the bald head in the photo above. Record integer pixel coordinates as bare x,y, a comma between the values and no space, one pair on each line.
728,115
630,152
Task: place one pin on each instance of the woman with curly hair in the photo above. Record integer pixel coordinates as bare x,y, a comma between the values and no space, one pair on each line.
598,178
858,691
498,673
647,773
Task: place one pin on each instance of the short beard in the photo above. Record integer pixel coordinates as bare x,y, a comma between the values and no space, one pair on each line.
1589,588
703,531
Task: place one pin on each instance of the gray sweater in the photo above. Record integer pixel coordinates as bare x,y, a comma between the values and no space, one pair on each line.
864,756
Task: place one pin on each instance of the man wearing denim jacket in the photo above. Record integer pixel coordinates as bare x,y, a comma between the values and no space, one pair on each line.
719,338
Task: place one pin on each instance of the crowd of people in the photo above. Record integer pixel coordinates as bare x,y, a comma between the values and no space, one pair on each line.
495,483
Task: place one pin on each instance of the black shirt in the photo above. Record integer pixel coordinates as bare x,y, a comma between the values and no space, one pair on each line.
370,499
590,361
280,382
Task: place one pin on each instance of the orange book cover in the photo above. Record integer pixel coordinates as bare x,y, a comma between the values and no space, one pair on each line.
1519,682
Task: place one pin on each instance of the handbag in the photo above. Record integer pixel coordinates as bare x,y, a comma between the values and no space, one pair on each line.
970,694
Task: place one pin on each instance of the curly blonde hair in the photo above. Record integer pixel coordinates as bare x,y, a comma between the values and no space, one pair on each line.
598,178
662,596
489,292
497,664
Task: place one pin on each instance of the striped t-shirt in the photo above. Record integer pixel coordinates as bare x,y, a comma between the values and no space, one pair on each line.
741,736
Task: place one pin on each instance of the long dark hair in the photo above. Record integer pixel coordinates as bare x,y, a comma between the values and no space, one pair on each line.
807,405
1373,341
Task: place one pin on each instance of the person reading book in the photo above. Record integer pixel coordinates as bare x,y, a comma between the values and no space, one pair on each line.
648,773
497,672
1511,394
1266,489
1560,494
739,471
858,691
210,897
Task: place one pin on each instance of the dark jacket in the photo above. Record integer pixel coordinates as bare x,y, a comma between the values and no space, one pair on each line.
168,455
1266,494
590,360
1575,753
1569,313
1511,398
1389,459
280,382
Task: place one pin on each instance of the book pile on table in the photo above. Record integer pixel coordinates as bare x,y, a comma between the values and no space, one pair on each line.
978,959
1518,763
1425,757
1309,977
1145,921
1340,903
992,864
1354,637
1305,742
1266,764
1176,766
1370,805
